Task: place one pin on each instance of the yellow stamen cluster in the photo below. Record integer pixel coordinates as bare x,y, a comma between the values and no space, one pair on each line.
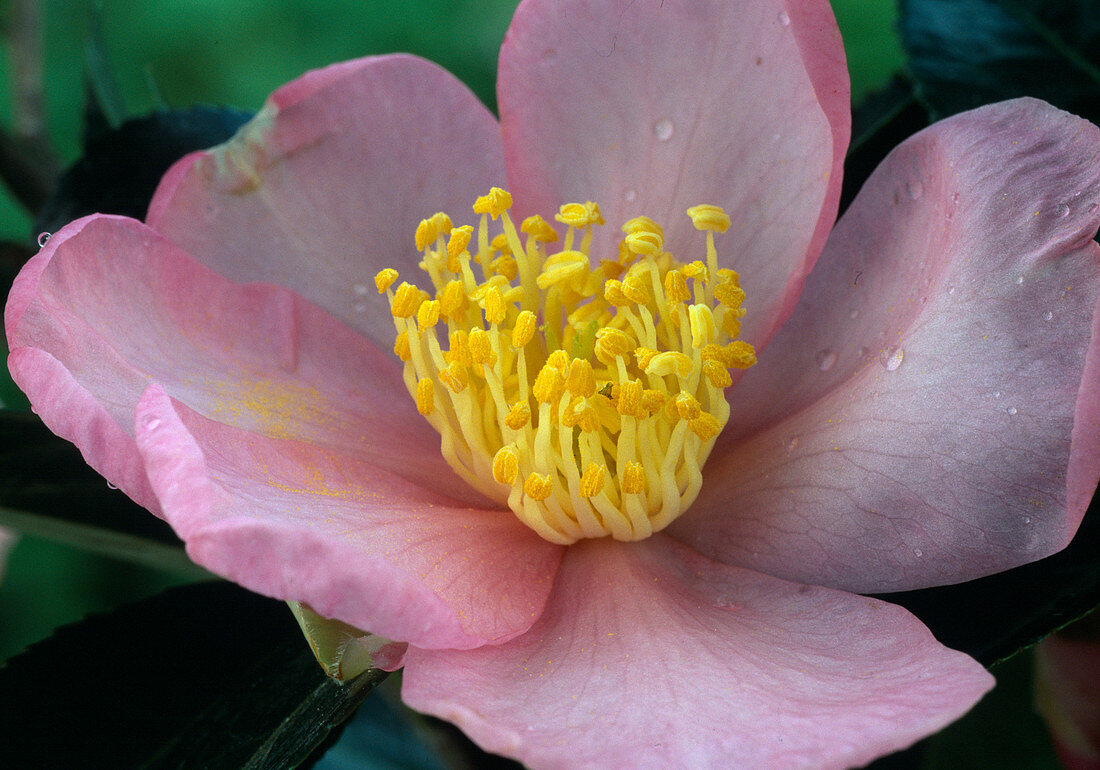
586,398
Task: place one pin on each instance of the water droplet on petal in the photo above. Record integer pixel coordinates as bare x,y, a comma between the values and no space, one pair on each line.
151,423
1048,315
784,19
853,313
727,603
914,189
361,307
1027,519
1061,211
891,358
996,394
950,289
918,552
1092,208
663,129
630,196
361,289
111,486
43,239
1018,280
791,443
1011,410
825,359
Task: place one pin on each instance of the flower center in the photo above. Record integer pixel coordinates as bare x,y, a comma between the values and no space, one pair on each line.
585,398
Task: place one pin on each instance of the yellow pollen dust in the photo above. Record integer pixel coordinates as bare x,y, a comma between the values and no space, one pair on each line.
584,397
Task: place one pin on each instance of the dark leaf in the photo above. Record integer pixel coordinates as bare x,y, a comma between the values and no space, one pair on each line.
204,676
47,489
996,616
121,168
965,53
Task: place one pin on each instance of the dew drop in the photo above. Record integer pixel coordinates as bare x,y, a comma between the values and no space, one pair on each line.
361,307
1027,519
1092,208
918,552
914,189
891,358
791,443
853,314
43,239
630,196
361,289
1061,211
825,359
1018,280
784,19
1048,315
663,129
950,289
727,603
111,486
152,423
1011,410
996,394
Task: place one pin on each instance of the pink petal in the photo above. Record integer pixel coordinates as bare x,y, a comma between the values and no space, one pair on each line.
649,655
327,183
113,305
1067,684
929,413
651,107
299,522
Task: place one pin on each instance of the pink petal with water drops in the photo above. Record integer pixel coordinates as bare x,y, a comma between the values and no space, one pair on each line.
112,305
325,186
649,655
929,413
651,107
300,522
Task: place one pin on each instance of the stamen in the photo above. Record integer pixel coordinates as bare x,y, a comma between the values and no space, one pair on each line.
584,398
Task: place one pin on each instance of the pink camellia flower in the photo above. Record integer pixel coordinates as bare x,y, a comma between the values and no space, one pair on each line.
1067,691
556,580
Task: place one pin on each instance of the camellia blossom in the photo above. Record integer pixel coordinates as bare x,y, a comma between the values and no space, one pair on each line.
918,412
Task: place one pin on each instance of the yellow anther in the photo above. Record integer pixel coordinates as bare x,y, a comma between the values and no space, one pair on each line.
559,359
642,224
729,294
579,214
592,480
687,405
645,242
741,354
506,266
705,426
630,399
716,374
426,233
670,362
653,400
643,356
457,243
494,305
612,343
725,275
405,300
455,376
613,293
549,385
676,288
562,267
580,412
460,348
581,380
500,243
481,348
636,288
506,465
425,396
703,328
494,204
697,270
707,217
524,330
539,229
452,300
731,325
385,279
401,346
633,482
427,315
518,416
538,486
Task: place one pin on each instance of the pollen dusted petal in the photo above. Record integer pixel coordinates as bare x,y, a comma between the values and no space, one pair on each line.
597,422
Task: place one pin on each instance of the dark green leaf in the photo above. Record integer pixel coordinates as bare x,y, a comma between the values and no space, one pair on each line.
965,53
996,616
47,489
204,676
